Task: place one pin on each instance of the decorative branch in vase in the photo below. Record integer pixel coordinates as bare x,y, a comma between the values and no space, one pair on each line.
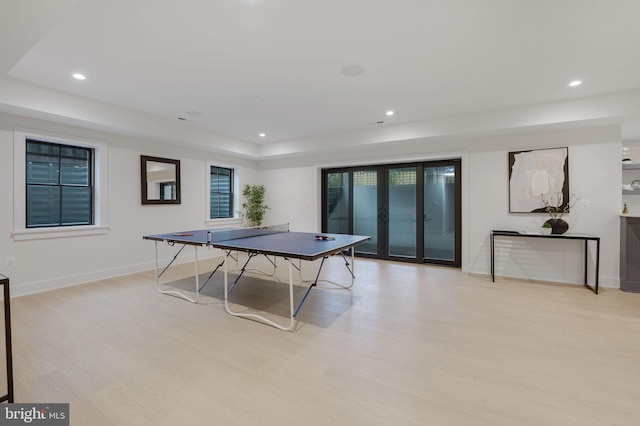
556,207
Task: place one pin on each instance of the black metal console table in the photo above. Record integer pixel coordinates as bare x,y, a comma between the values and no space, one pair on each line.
4,281
585,238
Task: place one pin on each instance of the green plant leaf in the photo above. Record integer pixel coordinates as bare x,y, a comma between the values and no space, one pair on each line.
253,204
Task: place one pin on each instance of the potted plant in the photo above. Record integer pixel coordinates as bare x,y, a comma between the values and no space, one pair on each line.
253,206
546,228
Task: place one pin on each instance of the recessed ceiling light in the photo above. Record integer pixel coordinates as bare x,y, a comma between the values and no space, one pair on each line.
389,113
262,135
352,70
79,76
575,83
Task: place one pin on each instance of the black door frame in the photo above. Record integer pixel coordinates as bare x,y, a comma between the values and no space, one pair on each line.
457,165
382,207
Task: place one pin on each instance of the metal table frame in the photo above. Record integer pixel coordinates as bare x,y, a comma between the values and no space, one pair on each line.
293,312
585,238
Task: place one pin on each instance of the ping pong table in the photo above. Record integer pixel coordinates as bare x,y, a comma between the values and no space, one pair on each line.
275,241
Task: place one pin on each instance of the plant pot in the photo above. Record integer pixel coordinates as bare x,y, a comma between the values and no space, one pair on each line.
558,226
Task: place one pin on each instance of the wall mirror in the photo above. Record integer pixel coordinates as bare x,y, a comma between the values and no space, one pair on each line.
160,180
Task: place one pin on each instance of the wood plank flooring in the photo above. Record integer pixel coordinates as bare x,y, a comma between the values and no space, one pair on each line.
408,345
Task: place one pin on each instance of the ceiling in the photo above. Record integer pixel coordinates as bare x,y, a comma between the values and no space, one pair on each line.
228,70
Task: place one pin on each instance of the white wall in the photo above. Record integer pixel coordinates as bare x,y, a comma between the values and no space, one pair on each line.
594,172
50,263
293,195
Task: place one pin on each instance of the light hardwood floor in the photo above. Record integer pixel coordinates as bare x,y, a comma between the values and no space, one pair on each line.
408,345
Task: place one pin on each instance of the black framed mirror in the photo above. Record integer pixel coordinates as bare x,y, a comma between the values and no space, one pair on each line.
160,180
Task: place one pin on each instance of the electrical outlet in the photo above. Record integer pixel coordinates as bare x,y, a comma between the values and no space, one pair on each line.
10,262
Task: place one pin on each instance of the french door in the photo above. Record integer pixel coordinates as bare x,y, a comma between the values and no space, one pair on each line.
411,211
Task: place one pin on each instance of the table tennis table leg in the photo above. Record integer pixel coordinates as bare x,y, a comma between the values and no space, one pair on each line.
314,283
176,292
256,316
251,255
350,267
292,313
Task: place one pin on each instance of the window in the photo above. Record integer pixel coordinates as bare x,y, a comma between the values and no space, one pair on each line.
59,185
167,190
221,192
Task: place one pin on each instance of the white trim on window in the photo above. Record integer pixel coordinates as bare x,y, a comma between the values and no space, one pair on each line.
58,232
20,231
236,219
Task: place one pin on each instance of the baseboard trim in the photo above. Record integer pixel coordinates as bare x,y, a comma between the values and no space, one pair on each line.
25,289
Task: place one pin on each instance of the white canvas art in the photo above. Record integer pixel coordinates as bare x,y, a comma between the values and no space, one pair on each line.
535,174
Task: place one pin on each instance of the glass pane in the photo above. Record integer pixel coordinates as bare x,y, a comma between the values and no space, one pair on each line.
402,212
224,183
439,213
224,180
214,205
42,163
338,203
167,190
43,205
365,208
214,179
225,205
76,205
74,166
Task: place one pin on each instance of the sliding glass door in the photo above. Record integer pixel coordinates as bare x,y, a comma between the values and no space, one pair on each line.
337,202
365,208
411,211
441,213
350,205
401,203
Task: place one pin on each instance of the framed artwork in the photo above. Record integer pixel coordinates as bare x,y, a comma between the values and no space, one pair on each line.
538,173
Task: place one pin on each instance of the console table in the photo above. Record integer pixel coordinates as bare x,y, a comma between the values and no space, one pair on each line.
553,237
4,281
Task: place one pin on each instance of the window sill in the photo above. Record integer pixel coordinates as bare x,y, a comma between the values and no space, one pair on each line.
224,222
61,232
